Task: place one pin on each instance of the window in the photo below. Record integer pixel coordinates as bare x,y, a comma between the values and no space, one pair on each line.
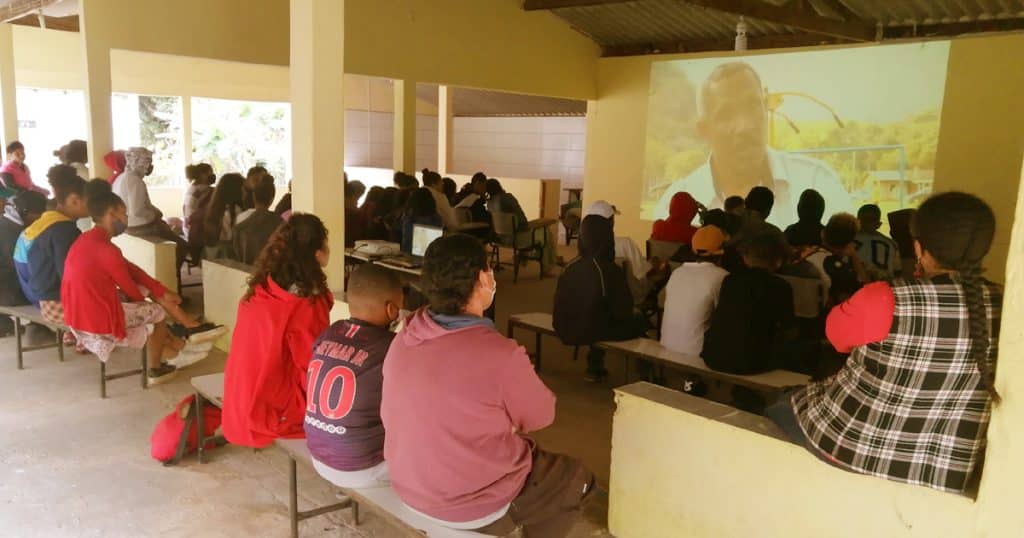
48,119
153,122
235,135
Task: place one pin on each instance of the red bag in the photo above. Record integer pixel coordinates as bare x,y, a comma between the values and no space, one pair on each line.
168,432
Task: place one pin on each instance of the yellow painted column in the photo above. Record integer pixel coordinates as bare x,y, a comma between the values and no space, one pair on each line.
8,89
186,128
404,147
999,512
318,112
95,18
445,128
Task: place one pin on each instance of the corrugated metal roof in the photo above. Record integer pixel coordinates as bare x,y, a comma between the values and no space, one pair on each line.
639,23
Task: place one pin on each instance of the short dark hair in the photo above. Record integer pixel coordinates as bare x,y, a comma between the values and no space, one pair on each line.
478,177
451,267
421,203
811,206
733,202
370,281
76,152
841,230
354,189
27,202
264,193
494,187
869,213
430,178
65,182
760,199
727,222
766,247
14,146
99,205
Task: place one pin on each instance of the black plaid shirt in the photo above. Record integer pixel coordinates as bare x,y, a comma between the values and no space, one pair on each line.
912,407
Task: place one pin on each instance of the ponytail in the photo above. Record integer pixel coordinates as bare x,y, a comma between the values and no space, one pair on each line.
973,283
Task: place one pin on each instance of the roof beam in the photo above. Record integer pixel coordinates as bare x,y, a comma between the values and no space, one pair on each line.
953,28
794,16
710,45
841,9
537,5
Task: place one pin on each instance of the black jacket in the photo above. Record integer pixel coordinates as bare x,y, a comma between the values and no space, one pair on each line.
10,289
592,294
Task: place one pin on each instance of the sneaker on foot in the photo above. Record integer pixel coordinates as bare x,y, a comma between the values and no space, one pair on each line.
161,374
594,377
205,347
187,357
199,333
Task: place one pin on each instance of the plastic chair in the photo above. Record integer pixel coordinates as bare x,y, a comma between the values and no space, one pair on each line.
509,233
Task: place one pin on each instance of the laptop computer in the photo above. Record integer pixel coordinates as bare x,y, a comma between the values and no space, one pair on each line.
422,237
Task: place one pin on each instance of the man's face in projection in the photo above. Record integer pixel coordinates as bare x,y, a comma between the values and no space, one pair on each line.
735,120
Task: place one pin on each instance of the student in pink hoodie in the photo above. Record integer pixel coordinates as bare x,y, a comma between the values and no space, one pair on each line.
458,401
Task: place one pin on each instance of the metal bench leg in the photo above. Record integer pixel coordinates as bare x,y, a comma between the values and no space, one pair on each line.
145,369
537,340
293,498
60,345
19,343
355,513
625,363
103,379
200,403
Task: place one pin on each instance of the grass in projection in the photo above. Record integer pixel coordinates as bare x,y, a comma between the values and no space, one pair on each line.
860,125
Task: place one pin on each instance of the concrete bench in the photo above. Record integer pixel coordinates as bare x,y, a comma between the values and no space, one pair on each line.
157,257
686,466
652,351
383,501
32,314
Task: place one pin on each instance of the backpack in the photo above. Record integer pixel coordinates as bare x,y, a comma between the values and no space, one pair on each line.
169,434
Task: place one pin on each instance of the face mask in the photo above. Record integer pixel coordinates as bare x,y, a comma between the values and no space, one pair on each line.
119,228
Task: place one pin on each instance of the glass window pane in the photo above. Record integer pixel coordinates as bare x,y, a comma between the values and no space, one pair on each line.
48,119
236,135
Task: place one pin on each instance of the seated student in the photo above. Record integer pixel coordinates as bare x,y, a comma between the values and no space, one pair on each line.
283,312
21,211
346,438
220,215
899,230
879,254
592,299
20,176
758,203
475,198
379,223
735,205
420,209
42,247
116,162
77,156
255,226
450,189
467,463
253,177
200,189
645,278
913,402
810,209
678,227
751,327
692,294
841,270
369,207
96,275
433,181
500,201
144,219
355,229
284,205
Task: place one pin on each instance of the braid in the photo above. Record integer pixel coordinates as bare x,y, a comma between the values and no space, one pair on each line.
970,273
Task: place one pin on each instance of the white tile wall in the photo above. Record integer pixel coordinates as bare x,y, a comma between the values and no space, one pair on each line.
511,147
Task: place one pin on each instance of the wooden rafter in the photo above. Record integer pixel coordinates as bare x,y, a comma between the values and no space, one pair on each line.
799,16
841,9
538,5
953,28
710,45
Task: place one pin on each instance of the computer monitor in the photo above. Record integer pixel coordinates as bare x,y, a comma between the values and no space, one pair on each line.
422,237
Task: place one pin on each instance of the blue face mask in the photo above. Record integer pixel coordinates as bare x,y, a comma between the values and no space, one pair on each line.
119,228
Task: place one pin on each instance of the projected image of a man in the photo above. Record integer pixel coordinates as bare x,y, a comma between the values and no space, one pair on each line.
733,121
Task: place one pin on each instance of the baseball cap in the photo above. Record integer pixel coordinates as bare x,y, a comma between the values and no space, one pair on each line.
708,241
601,208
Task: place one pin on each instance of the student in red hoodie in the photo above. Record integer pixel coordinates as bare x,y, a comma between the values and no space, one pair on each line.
678,227
282,314
459,399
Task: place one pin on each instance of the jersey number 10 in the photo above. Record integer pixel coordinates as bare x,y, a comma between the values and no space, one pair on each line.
320,390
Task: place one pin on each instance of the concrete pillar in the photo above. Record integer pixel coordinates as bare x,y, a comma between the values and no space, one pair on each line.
445,128
8,94
186,128
404,147
318,113
94,20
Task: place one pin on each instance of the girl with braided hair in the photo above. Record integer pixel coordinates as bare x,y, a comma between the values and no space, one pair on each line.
913,401
283,311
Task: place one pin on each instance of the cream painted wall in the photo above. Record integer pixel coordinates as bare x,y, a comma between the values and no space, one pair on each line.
980,142
491,44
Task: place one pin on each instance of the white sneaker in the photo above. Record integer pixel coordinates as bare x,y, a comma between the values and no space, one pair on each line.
161,374
187,357
207,335
204,347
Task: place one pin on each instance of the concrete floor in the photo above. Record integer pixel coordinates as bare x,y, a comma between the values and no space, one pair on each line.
72,464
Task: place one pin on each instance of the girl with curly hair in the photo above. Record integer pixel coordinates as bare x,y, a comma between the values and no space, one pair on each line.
283,311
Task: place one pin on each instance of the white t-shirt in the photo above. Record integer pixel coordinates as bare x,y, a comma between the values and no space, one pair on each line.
691,296
625,248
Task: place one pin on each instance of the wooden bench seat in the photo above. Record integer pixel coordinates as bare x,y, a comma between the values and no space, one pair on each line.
383,501
32,314
540,323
